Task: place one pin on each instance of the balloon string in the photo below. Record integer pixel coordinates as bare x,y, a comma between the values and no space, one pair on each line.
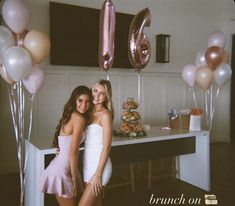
213,109
206,108
13,111
211,101
21,140
29,130
107,75
194,97
139,86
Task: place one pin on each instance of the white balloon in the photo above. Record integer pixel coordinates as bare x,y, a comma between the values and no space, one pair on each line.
6,40
217,38
200,59
222,74
17,62
189,74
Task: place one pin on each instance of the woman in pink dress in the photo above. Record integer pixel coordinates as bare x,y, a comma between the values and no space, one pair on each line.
97,167
61,176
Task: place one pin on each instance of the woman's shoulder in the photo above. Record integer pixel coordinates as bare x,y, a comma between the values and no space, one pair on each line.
77,116
106,114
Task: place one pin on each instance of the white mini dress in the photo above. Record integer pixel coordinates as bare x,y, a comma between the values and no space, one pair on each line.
92,150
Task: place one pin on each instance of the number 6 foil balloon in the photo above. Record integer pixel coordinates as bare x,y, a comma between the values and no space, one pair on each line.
107,35
139,51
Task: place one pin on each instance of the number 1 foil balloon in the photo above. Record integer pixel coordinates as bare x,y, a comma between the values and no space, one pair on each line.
139,51
107,35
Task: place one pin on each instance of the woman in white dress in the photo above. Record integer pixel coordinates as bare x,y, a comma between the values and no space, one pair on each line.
97,167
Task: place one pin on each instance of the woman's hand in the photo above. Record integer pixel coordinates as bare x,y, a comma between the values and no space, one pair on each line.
57,151
96,183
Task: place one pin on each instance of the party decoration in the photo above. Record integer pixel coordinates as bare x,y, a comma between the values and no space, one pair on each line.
17,63
204,77
214,56
33,83
107,35
16,15
5,77
218,39
213,71
18,50
222,74
38,45
189,74
139,50
200,59
6,40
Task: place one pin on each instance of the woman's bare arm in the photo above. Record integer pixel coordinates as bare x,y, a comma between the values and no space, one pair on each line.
78,125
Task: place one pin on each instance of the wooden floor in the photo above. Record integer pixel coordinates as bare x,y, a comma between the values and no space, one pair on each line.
222,184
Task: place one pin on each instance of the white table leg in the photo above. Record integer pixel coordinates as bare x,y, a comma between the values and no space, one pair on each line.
195,168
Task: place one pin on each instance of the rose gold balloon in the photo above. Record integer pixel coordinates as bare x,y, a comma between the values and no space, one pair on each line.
38,45
107,35
214,56
138,44
5,77
204,77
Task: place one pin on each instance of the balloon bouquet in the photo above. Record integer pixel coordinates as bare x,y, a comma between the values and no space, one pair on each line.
210,67
21,51
107,36
139,48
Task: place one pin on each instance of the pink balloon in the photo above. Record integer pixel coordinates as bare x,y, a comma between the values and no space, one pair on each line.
107,35
189,74
34,82
16,15
218,39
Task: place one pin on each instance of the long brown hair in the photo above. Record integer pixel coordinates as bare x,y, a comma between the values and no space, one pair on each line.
108,104
69,108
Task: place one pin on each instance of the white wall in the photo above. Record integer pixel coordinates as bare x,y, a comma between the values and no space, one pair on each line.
189,23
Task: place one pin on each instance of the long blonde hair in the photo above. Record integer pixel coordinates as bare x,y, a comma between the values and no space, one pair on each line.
108,104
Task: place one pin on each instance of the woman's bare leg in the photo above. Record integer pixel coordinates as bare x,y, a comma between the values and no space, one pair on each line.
65,201
88,199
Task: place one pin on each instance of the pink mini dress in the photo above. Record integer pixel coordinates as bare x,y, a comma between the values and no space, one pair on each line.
56,178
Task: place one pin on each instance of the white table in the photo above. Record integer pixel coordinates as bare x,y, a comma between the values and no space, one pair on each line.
192,151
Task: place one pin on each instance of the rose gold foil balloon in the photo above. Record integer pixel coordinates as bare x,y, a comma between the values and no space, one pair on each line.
214,56
204,77
107,35
138,43
38,44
